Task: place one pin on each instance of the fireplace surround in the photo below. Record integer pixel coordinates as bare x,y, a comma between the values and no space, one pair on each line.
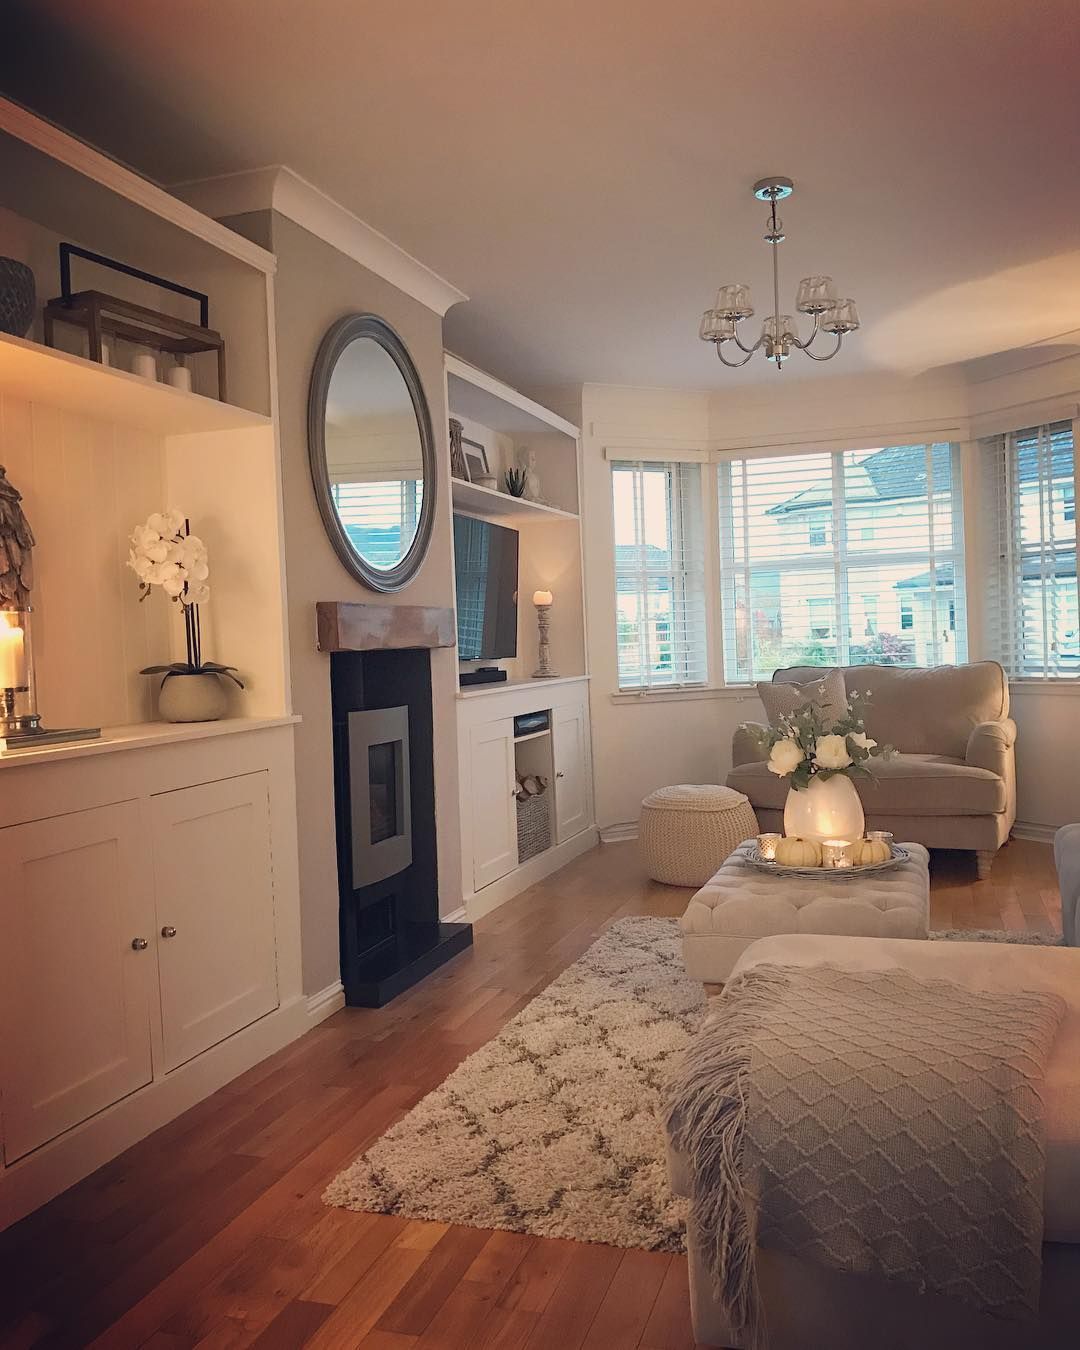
384,789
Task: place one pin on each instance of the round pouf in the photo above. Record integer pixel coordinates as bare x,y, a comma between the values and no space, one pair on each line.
688,830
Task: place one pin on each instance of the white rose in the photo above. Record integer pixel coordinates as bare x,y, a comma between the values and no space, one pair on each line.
785,757
862,740
831,753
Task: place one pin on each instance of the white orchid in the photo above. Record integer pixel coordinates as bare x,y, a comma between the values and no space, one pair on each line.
831,752
785,757
163,554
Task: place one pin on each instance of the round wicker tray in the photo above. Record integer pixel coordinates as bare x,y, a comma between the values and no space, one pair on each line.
754,858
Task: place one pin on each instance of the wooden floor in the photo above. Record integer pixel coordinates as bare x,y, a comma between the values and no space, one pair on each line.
211,1232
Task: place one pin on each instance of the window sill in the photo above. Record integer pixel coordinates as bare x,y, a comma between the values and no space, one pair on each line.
685,694
1066,686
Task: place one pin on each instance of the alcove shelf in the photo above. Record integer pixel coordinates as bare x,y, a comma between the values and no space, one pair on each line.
476,500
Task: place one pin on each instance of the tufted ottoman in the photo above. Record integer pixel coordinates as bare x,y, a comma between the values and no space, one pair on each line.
741,904
687,831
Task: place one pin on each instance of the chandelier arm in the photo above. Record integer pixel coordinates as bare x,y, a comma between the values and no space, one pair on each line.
734,365
815,357
748,350
803,346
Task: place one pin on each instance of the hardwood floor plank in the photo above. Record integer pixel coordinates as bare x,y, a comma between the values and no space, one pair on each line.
668,1327
565,1322
418,1302
623,1315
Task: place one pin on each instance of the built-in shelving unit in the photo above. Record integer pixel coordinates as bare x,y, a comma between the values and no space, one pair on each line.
476,500
40,374
141,735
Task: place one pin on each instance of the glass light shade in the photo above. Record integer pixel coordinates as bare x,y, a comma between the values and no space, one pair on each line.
17,697
828,810
734,302
842,318
815,295
716,327
781,329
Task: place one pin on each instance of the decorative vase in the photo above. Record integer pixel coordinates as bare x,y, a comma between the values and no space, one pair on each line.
17,295
828,809
191,698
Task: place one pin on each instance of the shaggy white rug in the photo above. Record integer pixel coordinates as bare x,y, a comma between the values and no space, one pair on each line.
553,1127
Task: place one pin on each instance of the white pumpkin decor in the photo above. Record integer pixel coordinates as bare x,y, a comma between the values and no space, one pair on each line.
867,851
794,852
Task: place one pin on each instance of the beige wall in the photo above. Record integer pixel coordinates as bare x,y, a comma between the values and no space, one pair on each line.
315,286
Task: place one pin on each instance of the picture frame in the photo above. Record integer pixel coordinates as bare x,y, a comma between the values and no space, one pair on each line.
476,460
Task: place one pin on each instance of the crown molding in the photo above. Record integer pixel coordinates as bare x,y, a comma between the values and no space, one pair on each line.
277,188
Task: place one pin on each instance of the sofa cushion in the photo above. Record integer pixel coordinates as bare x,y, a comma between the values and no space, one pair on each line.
906,785
781,698
923,711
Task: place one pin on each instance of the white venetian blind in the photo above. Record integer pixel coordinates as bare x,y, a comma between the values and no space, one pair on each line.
380,518
842,558
659,574
1029,481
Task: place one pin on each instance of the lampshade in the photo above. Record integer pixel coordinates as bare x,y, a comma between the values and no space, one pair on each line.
842,318
816,295
780,330
716,327
733,302
542,598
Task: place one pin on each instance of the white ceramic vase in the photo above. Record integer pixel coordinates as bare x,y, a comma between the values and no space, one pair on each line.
828,809
191,698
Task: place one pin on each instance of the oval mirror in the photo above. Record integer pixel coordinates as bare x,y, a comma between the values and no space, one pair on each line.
372,452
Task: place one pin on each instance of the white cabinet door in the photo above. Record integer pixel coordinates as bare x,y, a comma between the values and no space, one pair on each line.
491,804
75,993
215,912
569,749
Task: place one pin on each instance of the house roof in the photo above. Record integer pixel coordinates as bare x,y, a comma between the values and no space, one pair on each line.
889,475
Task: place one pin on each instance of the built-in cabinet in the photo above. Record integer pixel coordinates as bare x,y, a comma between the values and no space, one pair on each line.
491,757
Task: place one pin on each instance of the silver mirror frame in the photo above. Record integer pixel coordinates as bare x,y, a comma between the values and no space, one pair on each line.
333,345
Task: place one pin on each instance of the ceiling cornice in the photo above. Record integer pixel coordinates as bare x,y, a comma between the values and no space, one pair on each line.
277,188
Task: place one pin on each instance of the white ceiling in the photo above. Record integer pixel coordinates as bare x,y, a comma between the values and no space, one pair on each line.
582,168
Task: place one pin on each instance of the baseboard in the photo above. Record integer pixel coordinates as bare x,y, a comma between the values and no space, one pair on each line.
619,834
63,1161
1039,834
325,1002
521,878
458,916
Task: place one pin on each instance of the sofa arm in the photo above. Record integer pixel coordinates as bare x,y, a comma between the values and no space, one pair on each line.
746,747
990,746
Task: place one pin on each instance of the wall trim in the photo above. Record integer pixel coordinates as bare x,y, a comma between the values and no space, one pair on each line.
325,1002
456,916
276,187
1029,829
619,834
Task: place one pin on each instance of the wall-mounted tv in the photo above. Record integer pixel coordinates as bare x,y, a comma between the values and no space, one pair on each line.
486,568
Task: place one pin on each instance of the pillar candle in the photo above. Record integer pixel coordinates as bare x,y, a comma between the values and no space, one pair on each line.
12,657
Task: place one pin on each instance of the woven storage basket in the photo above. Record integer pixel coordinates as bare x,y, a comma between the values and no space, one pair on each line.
687,831
533,826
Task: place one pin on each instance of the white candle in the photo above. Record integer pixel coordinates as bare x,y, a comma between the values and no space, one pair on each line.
767,846
835,853
12,657
541,599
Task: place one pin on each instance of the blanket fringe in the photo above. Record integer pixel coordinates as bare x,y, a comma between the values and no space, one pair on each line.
705,1107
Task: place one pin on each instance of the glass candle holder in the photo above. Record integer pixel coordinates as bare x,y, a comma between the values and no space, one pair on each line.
18,705
836,853
880,836
767,846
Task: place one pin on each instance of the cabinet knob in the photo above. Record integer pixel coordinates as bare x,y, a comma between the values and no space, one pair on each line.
168,931
139,944
560,774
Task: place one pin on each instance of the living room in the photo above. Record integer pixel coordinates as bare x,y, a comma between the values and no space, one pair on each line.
531,814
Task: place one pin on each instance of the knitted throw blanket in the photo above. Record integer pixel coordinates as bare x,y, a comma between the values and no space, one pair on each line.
871,1121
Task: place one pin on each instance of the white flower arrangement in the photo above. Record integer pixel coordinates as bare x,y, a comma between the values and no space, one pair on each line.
803,747
165,553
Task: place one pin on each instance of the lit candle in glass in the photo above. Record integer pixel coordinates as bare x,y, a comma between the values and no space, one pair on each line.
12,656
882,836
767,846
835,853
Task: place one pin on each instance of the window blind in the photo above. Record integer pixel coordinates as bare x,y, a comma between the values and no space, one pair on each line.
842,558
1029,481
659,574
380,518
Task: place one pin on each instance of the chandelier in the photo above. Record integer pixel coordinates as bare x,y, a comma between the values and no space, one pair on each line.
779,333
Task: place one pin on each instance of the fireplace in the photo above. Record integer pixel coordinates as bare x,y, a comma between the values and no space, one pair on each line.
384,787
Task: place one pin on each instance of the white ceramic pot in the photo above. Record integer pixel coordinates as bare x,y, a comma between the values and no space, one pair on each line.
828,809
191,698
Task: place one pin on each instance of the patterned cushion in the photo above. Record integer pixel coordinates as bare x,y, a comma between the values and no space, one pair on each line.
783,698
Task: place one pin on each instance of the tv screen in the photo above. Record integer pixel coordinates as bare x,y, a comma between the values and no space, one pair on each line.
486,567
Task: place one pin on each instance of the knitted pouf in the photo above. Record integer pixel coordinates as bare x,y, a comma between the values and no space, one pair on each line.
687,831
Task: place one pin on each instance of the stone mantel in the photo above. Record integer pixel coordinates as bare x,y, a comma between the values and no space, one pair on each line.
348,626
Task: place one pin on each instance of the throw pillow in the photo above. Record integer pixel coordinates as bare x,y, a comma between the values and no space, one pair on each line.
828,693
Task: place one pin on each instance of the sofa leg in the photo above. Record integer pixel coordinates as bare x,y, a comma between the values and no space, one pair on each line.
984,860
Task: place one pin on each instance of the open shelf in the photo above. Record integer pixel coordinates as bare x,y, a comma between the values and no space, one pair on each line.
44,375
495,505
532,736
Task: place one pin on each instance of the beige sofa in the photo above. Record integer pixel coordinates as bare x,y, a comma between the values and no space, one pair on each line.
953,782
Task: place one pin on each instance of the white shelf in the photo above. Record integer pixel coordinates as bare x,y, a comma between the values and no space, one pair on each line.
480,690
43,375
494,505
475,394
139,736
532,736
